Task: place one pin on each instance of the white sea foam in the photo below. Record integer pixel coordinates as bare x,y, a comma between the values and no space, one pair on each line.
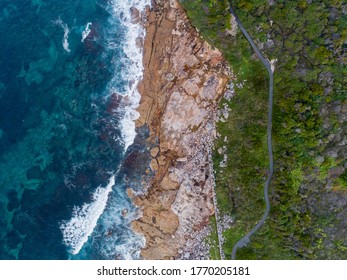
77,230
133,73
86,31
120,241
84,219
66,34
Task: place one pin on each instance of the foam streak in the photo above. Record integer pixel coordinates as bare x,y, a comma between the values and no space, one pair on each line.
84,219
86,31
66,34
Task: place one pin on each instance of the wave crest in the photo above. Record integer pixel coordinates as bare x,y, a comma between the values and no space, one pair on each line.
133,72
84,219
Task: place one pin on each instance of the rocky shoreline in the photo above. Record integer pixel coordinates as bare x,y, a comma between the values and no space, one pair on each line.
184,79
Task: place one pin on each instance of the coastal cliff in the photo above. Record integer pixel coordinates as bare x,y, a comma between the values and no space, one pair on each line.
184,79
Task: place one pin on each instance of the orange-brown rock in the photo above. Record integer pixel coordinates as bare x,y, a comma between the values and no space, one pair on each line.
184,78
154,151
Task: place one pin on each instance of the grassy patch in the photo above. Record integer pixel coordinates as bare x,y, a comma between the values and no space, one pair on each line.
341,182
212,240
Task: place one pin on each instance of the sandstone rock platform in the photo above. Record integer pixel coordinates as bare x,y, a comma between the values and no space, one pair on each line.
184,79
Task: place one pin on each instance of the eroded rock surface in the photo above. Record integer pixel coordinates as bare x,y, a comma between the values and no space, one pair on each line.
184,79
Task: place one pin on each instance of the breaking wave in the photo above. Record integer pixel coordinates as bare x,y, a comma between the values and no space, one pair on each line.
132,71
84,219
103,220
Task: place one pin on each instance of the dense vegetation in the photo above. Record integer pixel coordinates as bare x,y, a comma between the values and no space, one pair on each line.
308,194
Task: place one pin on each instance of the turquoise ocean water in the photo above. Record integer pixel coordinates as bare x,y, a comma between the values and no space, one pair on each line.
68,73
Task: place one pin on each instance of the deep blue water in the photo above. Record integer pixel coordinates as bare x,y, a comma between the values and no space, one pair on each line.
61,135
